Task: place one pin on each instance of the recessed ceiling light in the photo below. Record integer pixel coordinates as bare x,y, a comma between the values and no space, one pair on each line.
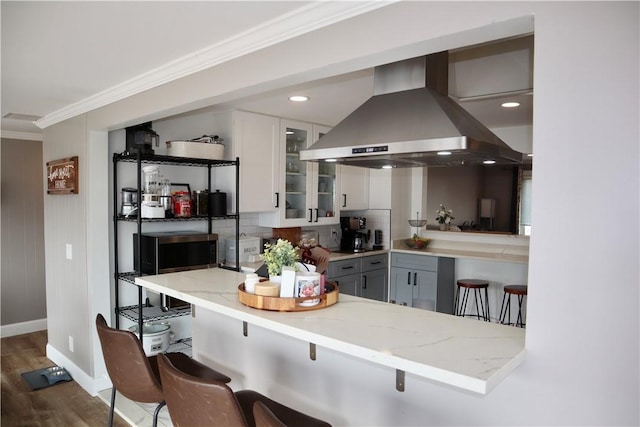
510,104
298,98
443,153
530,155
330,160
489,162
387,167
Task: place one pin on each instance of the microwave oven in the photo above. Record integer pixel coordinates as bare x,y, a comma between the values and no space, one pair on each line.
166,252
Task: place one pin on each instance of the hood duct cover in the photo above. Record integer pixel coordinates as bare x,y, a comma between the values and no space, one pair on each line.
408,121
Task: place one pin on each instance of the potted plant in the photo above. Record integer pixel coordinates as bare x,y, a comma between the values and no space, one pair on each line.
282,254
444,217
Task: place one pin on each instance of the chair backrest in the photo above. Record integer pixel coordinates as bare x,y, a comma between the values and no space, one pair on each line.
264,417
127,364
194,401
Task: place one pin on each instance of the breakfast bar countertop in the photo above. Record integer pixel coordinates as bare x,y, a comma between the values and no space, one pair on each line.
459,352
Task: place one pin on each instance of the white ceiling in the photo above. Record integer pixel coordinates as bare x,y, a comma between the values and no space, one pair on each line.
56,54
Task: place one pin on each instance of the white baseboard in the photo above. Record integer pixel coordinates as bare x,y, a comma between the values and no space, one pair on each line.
89,384
23,328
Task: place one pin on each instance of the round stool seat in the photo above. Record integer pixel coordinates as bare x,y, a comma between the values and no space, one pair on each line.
473,283
505,311
516,289
474,286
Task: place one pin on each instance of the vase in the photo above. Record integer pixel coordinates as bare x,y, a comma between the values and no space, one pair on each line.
275,279
444,227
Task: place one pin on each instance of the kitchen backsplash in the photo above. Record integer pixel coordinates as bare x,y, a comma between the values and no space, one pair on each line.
377,219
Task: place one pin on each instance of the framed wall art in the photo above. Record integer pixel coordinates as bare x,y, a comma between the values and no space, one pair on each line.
62,176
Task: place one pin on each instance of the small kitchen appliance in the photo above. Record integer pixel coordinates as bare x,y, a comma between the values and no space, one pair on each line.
129,201
140,139
151,207
377,242
355,236
169,251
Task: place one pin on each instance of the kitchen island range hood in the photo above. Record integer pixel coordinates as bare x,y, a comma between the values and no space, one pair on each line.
410,121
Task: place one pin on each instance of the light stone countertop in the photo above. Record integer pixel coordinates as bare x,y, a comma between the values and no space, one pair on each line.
459,352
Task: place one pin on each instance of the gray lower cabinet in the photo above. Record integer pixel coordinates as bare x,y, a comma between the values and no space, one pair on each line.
363,277
422,281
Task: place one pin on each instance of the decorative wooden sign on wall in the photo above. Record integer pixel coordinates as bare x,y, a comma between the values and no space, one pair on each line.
62,176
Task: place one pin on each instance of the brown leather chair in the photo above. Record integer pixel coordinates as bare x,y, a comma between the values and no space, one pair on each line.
135,375
196,401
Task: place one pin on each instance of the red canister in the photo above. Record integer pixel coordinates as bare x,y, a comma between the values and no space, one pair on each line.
181,204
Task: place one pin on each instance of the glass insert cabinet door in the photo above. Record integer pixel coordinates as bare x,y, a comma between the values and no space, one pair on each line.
296,173
310,187
326,186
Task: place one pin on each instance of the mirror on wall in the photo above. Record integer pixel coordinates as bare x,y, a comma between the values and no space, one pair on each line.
491,199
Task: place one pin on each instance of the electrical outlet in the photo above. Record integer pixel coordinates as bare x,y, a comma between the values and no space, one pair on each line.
334,232
69,251
70,343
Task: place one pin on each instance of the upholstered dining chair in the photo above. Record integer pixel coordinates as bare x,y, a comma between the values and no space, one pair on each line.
194,401
135,375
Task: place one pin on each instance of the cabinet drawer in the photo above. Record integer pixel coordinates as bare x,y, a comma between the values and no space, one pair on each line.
374,262
343,267
417,262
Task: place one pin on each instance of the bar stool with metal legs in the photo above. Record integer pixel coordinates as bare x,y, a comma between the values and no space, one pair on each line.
505,311
476,286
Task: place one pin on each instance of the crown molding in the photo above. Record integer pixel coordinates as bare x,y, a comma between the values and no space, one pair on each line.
300,21
29,136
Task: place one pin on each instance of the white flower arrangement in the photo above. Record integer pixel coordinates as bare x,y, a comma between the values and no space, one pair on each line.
444,215
279,255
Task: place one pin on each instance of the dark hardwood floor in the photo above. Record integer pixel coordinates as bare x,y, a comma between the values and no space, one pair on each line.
65,404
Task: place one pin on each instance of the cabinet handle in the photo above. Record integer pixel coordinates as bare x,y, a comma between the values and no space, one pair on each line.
347,268
408,278
415,279
316,215
310,215
375,262
344,200
364,282
277,200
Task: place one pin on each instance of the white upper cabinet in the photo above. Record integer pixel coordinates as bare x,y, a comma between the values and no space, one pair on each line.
325,184
354,188
256,141
306,195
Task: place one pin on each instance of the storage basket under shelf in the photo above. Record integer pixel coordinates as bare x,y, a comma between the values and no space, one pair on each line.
288,304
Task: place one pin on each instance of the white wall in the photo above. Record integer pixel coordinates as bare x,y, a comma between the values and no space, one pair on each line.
583,334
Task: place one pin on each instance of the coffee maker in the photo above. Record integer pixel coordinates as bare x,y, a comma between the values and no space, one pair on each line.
355,236
140,139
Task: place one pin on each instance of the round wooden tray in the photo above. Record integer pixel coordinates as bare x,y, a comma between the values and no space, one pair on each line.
289,304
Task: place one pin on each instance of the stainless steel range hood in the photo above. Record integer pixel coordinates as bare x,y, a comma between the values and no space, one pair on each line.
411,121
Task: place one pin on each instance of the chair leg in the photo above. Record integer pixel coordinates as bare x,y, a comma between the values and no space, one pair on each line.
113,405
476,295
486,297
519,321
503,314
156,412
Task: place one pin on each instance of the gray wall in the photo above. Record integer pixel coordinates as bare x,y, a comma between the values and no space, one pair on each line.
23,274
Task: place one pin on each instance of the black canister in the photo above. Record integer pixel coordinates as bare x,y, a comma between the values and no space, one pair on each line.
218,203
200,202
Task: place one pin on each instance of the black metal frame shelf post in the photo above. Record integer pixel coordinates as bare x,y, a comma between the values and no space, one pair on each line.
136,312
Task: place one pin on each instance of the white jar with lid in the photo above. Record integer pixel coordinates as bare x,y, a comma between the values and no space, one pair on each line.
250,281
